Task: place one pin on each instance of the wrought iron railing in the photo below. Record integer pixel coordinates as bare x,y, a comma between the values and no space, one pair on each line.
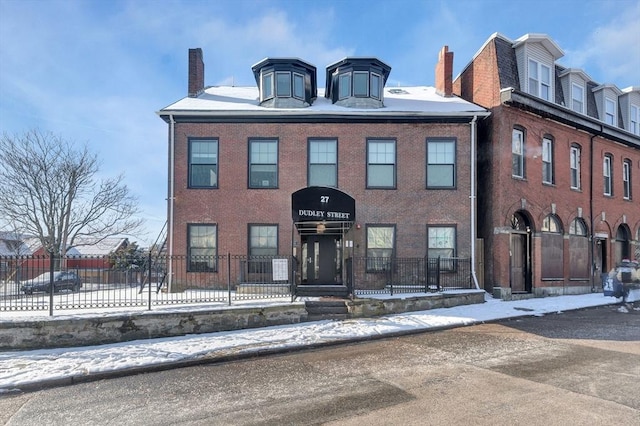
162,280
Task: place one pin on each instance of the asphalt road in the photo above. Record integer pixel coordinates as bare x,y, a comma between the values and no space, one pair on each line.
574,368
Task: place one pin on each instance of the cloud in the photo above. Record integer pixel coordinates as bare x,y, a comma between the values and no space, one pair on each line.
612,48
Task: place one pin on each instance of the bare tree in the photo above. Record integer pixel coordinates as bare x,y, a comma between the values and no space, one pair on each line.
50,189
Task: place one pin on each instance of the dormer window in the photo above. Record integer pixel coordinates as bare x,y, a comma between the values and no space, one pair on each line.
266,88
574,82
577,98
606,97
285,83
634,126
539,80
536,56
357,82
610,111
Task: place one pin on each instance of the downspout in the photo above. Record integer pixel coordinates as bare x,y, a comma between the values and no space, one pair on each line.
472,198
172,124
591,219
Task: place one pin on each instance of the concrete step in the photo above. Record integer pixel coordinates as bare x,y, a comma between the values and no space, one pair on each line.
337,307
327,317
322,290
326,310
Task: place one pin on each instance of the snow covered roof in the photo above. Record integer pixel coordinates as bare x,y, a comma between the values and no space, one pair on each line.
409,101
88,247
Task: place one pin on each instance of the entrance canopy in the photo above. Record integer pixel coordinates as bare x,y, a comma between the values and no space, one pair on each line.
322,210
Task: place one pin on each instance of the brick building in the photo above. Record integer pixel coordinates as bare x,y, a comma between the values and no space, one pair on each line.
559,169
287,168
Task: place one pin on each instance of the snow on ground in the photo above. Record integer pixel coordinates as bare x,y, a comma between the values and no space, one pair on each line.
28,368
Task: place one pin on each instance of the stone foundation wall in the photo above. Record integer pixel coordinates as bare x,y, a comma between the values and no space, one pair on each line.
67,332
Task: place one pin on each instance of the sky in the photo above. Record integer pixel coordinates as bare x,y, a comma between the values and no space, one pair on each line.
20,369
96,72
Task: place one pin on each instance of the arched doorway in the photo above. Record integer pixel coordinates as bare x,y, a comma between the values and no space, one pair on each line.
622,244
520,276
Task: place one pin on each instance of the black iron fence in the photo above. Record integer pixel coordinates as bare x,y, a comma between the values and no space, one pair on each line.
95,283
371,275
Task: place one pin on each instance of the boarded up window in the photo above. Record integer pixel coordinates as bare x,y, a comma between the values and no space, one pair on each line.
578,257
552,249
578,250
552,256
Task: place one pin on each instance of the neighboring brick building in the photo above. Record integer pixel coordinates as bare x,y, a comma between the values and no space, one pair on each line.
559,169
356,169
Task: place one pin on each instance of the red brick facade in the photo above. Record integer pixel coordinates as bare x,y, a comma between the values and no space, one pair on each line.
501,195
411,207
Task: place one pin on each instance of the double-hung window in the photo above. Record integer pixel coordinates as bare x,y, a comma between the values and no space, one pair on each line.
263,240
574,166
381,163
609,111
441,243
263,245
547,160
634,126
203,163
626,179
539,80
263,163
202,247
607,175
380,247
298,86
441,163
323,162
577,98
517,153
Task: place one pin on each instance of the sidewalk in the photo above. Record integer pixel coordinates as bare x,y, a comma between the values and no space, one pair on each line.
31,370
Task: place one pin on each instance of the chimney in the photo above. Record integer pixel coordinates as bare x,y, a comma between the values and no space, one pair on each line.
196,72
444,72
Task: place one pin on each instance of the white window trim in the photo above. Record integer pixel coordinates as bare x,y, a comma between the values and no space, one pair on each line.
547,158
634,122
608,101
573,97
606,175
575,157
539,83
626,179
519,154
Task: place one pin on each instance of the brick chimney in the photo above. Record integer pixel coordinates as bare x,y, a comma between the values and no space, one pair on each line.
196,72
444,72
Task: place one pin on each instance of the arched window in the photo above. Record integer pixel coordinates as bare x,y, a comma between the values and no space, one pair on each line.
622,244
578,250
552,248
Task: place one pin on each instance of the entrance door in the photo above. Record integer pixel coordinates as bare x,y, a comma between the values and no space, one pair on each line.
520,263
600,261
320,255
